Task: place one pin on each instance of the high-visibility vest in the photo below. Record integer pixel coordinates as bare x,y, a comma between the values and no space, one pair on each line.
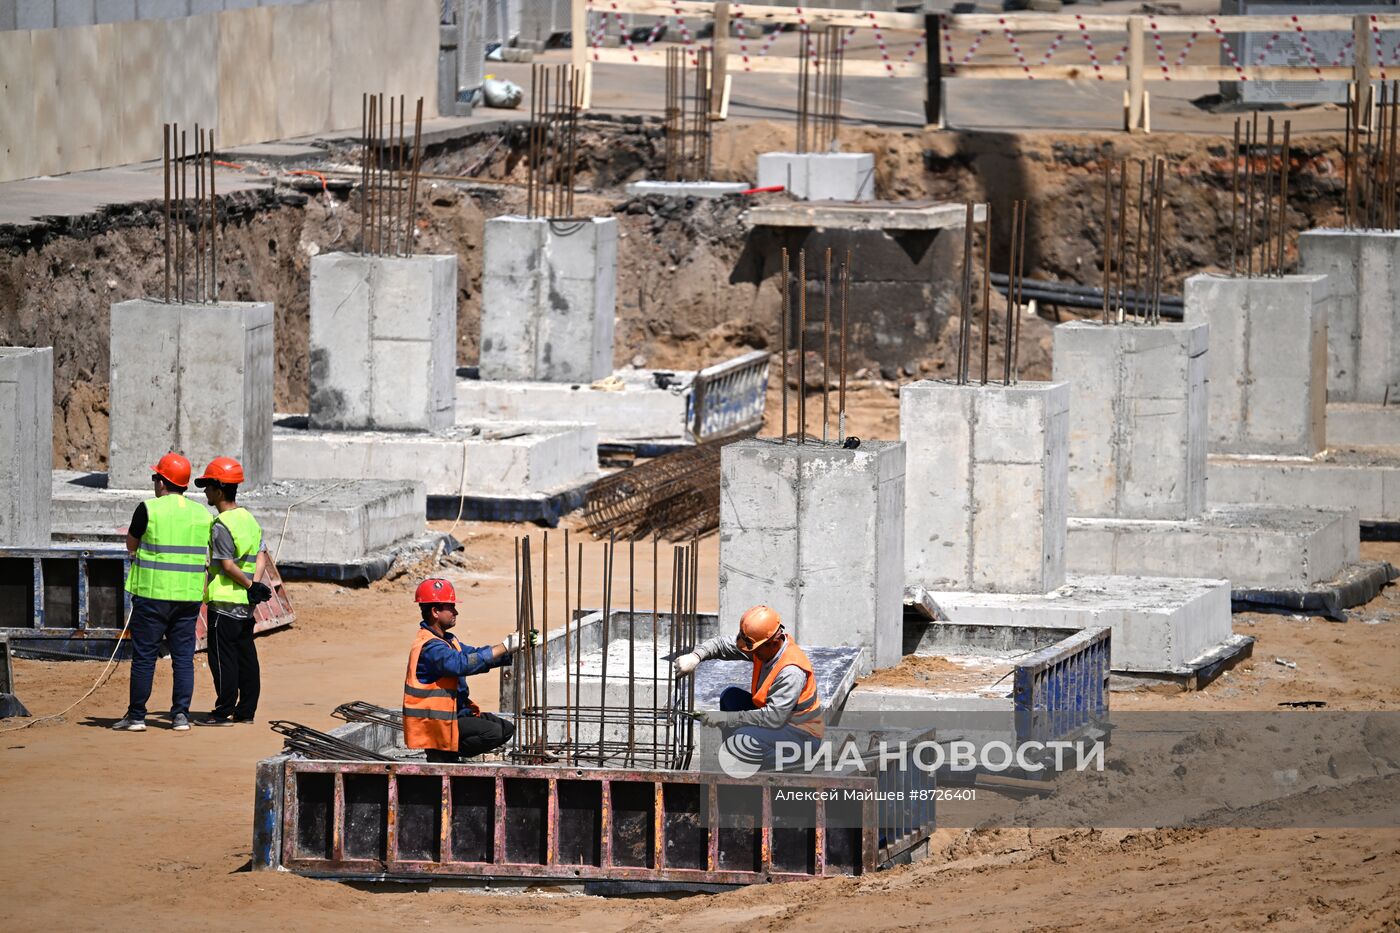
247,541
807,714
430,709
171,555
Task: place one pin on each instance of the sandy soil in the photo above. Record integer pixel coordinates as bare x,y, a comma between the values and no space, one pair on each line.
134,831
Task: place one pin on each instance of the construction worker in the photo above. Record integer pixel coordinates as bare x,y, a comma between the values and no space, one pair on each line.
236,555
781,704
438,713
168,538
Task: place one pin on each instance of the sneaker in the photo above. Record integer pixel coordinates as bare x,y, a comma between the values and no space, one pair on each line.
129,725
212,720
182,723
241,720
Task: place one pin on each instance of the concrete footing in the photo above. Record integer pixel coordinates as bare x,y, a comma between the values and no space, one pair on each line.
816,532
193,378
1363,480
1161,626
548,299
383,342
503,460
26,445
688,189
820,176
1362,424
1363,337
304,522
640,411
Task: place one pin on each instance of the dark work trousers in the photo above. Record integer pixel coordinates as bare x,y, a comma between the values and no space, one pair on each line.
233,660
475,735
151,621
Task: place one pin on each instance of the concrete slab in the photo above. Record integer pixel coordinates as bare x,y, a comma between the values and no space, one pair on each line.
499,460
816,532
1251,546
820,176
1363,480
1363,341
273,153
1160,625
26,445
688,189
986,488
1362,424
871,215
303,522
192,378
638,411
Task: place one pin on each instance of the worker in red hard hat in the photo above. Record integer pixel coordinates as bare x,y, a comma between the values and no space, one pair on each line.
168,539
438,713
236,557
781,704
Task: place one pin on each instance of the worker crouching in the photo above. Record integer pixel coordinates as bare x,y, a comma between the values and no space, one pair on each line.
438,713
781,704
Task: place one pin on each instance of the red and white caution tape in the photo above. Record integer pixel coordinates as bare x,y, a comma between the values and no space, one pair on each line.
1185,51
1051,51
1307,46
880,41
1339,60
685,32
1161,52
656,30
743,36
1225,44
1089,44
909,55
624,33
1380,53
1015,47
1268,46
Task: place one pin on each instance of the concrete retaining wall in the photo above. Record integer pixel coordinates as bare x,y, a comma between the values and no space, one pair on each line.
90,96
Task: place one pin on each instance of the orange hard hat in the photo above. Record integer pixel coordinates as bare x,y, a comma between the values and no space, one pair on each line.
174,469
221,470
435,590
758,625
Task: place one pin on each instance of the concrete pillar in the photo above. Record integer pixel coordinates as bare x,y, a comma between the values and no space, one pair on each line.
1137,418
1363,336
548,299
383,342
986,485
816,532
192,378
820,176
1268,361
26,445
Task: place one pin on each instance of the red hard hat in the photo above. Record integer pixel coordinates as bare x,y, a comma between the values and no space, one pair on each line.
221,470
174,469
435,590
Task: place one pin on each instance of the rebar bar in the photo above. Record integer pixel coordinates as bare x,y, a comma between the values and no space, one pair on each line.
783,326
821,63
389,173
826,349
551,140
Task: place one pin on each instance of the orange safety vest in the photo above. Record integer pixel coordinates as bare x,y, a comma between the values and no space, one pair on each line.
430,709
807,714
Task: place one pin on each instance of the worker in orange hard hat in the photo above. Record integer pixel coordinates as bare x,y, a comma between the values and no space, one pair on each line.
438,713
168,539
236,557
781,704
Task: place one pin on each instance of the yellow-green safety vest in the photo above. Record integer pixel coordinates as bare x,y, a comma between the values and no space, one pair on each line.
247,541
170,558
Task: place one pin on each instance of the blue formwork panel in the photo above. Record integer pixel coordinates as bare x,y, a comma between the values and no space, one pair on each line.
70,600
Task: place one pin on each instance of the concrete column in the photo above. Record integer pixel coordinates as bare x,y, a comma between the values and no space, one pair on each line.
1363,336
986,485
26,445
383,342
1268,361
548,299
192,378
816,532
1137,418
820,176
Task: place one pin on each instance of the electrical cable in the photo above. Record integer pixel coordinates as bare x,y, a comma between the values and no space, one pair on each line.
101,679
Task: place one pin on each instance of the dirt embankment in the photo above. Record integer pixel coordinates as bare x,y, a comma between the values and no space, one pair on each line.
686,292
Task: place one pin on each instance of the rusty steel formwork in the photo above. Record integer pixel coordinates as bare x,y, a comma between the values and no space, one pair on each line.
419,822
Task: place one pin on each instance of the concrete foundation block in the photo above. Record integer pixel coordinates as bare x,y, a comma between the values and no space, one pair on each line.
1268,361
1366,481
500,459
1160,625
1137,435
640,412
816,532
383,342
1363,336
704,190
820,176
26,445
1360,424
549,296
986,486
1254,547
192,378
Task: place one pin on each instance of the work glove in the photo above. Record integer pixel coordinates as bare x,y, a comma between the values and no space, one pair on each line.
258,594
714,718
512,641
686,663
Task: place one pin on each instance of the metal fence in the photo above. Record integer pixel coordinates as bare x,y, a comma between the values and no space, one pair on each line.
1062,690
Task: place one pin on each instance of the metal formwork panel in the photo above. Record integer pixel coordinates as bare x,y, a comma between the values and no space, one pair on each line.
1062,690
727,399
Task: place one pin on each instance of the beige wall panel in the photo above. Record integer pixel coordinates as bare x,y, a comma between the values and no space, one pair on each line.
247,84
301,62
354,69
142,68
16,105
192,74
48,110
410,49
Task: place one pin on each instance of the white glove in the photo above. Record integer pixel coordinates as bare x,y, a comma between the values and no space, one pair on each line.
714,718
687,663
512,641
